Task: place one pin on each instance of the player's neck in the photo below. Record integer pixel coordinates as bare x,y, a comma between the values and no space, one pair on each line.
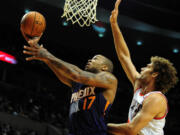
147,88
92,70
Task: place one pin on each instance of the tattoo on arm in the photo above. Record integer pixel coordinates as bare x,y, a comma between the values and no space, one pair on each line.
102,79
60,75
74,73
67,69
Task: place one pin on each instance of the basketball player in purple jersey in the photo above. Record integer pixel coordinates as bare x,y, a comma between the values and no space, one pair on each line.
93,89
149,105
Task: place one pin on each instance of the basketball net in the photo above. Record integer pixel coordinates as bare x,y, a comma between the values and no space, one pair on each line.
82,12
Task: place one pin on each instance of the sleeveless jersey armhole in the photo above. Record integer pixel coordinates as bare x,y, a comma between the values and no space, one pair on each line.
159,118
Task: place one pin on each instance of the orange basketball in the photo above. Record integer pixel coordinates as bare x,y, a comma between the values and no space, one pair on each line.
33,24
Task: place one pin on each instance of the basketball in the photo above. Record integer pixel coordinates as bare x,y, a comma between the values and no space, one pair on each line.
33,24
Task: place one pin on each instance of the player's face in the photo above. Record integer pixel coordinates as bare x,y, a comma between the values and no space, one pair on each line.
95,63
146,72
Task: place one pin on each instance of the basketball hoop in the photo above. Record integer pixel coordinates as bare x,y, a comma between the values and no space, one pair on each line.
82,12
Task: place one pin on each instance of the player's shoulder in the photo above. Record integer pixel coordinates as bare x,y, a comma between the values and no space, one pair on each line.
107,75
155,97
108,78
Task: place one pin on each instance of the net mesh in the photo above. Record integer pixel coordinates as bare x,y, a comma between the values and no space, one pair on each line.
82,12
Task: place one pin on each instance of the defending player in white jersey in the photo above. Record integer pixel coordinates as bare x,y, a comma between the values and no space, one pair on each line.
149,106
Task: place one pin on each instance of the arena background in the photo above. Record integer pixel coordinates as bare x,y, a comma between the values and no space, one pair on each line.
34,102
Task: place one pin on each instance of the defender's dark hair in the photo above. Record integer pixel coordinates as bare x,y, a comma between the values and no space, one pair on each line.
167,74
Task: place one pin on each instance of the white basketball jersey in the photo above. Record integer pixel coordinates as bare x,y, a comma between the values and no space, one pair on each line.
156,125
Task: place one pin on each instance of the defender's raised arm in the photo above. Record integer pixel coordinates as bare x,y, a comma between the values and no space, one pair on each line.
121,47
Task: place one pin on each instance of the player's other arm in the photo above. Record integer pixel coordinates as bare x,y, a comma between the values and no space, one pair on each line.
121,47
149,111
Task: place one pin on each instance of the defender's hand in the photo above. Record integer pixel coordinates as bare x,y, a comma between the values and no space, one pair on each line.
114,13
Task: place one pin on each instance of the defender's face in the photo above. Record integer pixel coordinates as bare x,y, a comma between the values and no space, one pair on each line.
146,72
95,63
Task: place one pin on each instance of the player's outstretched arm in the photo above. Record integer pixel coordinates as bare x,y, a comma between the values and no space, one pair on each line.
70,71
59,75
33,50
121,46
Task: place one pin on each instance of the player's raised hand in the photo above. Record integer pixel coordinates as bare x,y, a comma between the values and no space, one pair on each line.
34,41
28,38
114,13
31,40
37,52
